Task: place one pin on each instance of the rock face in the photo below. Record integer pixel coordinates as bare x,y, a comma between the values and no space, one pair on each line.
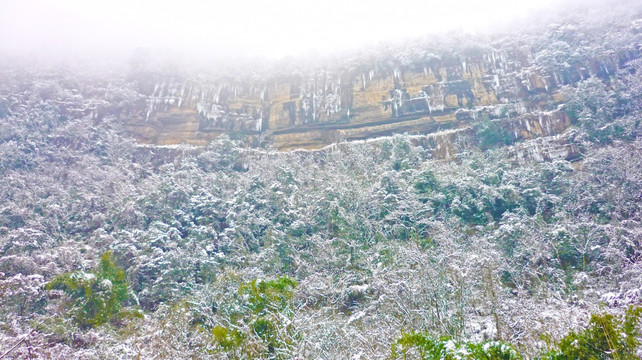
312,110
416,91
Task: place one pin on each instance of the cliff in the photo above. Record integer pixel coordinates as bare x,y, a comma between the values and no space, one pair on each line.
420,88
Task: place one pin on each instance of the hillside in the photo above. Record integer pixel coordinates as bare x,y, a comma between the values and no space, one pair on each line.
457,197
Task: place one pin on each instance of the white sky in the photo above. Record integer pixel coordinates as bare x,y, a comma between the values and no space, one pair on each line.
272,28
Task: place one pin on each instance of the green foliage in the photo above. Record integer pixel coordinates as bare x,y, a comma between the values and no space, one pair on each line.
426,183
492,134
266,327
606,337
401,154
266,330
567,254
98,295
416,345
269,295
228,339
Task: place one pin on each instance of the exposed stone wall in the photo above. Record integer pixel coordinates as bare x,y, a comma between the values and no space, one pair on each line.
309,109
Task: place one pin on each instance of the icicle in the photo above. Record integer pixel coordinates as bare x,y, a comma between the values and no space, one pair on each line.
218,94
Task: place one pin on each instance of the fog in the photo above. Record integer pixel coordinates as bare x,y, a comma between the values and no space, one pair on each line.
240,28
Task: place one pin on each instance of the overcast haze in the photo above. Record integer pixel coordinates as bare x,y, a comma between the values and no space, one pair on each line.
242,27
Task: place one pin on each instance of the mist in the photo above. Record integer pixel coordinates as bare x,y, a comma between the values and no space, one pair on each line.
241,28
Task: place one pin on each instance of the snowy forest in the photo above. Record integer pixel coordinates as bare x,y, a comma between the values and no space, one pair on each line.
370,249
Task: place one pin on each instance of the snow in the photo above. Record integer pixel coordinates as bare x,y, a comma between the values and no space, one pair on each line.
106,284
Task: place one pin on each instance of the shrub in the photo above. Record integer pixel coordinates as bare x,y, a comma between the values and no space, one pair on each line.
265,331
426,183
606,337
97,296
269,295
416,345
492,134
226,338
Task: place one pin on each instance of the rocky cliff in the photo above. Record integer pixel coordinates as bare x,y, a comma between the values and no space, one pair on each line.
420,88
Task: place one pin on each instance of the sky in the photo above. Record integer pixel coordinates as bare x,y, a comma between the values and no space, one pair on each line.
263,28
